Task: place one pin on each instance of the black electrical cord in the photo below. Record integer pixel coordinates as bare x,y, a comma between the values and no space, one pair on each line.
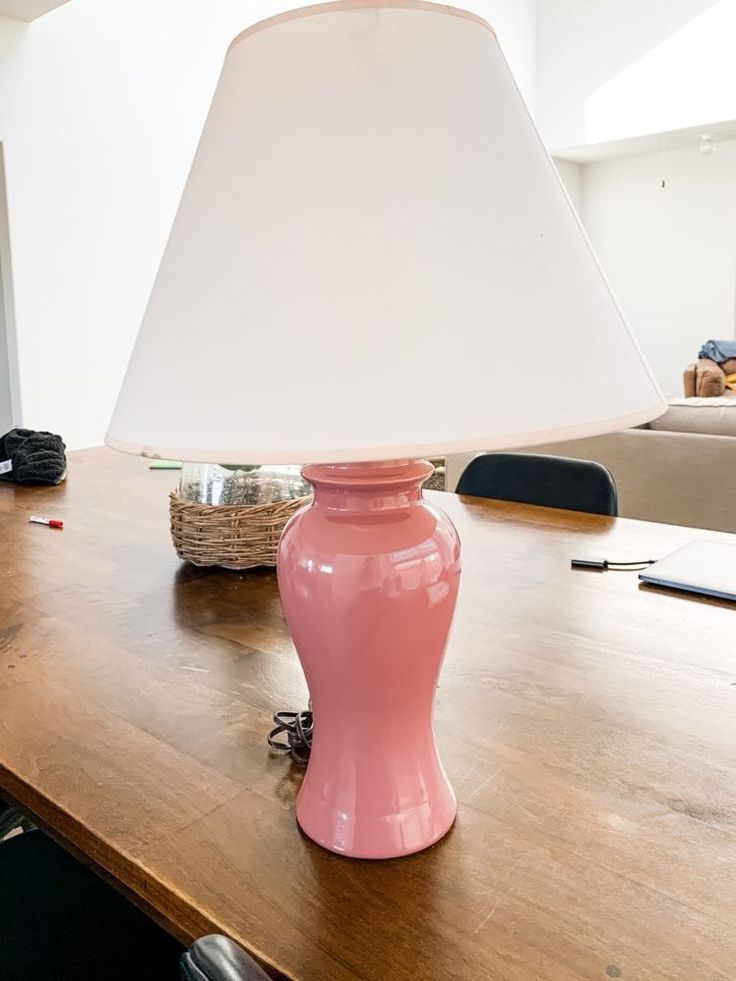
603,565
298,728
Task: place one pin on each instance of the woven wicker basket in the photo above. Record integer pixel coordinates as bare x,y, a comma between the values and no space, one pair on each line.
229,535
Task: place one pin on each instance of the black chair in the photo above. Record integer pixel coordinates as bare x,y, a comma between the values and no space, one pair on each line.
551,481
10,819
61,922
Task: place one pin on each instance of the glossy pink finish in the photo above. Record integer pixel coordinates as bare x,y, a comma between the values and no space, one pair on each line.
369,575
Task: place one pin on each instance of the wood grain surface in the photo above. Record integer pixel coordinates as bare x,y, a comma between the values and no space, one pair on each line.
587,724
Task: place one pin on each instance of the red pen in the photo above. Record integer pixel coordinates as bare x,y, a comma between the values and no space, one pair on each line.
35,519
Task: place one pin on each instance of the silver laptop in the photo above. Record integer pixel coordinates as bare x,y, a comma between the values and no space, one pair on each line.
700,567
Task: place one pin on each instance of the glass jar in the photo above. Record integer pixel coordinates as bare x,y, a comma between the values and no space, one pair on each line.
241,484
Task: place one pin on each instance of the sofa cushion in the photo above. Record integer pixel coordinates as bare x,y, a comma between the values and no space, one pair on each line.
716,416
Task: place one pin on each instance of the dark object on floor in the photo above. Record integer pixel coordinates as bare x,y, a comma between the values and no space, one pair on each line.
60,922
550,481
34,457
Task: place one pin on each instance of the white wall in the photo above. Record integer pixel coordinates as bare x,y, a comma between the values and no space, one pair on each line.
669,252
610,69
515,24
10,410
101,106
572,175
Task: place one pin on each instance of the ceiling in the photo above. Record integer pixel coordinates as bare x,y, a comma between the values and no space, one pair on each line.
28,9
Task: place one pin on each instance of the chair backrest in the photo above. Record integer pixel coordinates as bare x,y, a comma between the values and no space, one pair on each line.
551,481
217,958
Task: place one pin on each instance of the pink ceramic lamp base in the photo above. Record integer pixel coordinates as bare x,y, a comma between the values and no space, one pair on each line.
369,575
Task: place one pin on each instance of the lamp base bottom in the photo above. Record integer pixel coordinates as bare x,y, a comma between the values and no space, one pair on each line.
414,840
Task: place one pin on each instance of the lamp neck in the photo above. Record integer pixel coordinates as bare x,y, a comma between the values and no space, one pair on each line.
375,486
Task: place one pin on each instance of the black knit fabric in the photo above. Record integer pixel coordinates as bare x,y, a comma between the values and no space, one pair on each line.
36,457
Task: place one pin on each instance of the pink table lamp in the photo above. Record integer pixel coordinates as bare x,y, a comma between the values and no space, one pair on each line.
371,241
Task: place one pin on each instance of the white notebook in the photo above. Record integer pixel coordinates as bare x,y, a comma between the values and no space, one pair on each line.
700,567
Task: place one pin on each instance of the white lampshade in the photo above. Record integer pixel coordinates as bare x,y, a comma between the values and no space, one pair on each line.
374,258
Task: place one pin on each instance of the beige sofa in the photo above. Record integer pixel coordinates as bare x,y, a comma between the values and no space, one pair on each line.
678,477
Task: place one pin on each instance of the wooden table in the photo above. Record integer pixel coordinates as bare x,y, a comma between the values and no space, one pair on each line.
587,724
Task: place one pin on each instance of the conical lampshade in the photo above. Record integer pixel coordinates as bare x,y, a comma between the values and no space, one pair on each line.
374,258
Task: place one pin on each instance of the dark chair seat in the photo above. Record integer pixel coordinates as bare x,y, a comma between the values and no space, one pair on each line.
549,481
